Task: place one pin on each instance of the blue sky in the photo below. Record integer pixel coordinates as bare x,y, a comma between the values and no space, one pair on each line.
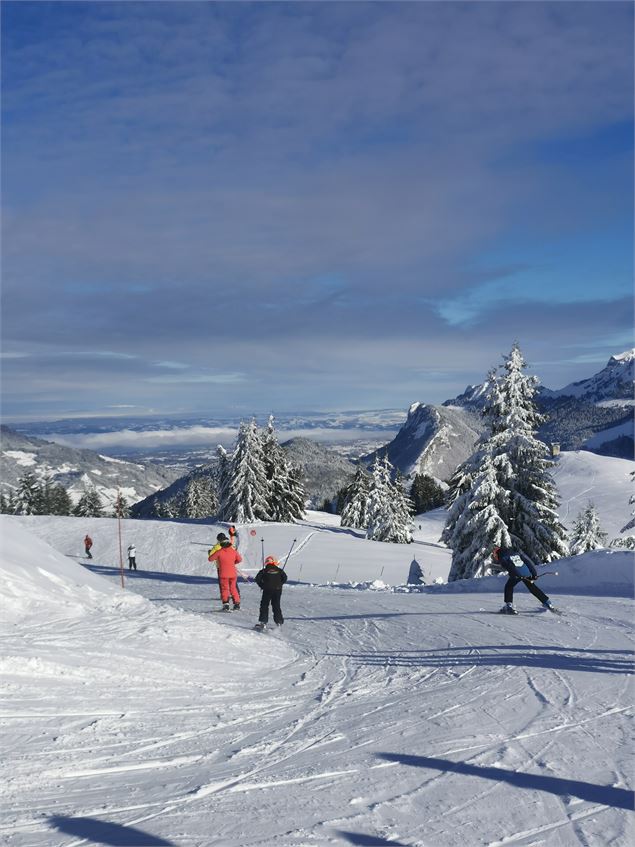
254,207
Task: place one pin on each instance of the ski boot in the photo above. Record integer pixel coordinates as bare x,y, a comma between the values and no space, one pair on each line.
236,607
226,607
549,607
260,626
508,609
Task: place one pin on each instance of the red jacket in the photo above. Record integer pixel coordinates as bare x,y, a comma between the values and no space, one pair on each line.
226,558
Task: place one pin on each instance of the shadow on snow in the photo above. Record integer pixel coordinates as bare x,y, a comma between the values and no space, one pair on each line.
526,656
606,795
368,840
103,832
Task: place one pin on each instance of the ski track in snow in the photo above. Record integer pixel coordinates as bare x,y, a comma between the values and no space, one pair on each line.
388,722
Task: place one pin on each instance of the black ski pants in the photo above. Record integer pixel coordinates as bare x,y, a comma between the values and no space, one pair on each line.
513,581
272,597
132,563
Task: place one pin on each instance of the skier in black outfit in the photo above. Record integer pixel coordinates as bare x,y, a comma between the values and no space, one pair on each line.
520,569
270,579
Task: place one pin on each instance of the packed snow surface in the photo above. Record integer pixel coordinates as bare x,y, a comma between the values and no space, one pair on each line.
140,716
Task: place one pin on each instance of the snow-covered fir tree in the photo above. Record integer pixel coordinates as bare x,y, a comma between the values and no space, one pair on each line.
426,493
476,523
296,497
504,494
586,533
55,498
200,499
285,492
222,480
388,510
89,504
247,494
60,502
28,496
356,494
161,509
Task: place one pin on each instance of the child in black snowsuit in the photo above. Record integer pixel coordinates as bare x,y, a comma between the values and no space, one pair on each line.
520,569
270,579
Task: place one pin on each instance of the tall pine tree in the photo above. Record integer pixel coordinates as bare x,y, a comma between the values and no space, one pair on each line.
504,494
28,497
247,494
388,510
285,492
354,512
89,504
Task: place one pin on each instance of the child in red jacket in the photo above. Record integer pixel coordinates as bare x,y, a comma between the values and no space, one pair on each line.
226,559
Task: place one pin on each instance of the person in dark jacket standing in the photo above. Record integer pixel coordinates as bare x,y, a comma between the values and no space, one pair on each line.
270,579
520,569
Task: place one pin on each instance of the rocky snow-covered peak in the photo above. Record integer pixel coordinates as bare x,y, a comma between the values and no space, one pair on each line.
433,441
613,382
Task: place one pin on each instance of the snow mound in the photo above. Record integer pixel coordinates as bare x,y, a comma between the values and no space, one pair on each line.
38,581
43,588
602,573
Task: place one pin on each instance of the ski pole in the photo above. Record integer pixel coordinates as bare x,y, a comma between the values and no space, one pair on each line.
262,542
289,553
547,573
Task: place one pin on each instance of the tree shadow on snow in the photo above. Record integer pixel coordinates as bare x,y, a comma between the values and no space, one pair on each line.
368,840
525,656
103,832
606,795
162,576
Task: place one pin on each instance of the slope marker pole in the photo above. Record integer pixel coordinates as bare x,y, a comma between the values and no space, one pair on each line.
119,531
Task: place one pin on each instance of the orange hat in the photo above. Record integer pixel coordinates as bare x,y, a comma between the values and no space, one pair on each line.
270,560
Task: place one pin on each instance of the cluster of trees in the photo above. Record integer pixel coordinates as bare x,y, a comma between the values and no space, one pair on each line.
377,503
258,483
503,494
426,494
37,495
197,500
255,483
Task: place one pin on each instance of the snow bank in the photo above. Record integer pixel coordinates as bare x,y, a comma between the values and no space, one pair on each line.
38,581
602,573
41,588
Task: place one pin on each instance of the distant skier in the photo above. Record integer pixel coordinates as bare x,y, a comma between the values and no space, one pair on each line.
520,569
132,558
233,536
226,559
88,543
415,574
270,579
